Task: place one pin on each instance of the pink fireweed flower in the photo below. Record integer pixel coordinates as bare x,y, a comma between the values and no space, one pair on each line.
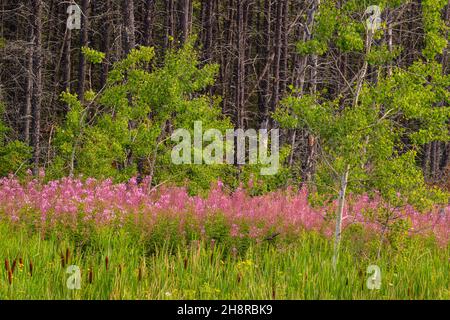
73,200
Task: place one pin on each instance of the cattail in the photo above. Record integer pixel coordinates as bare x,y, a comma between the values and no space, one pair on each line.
91,275
107,263
31,268
239,278
20,262
6,265
67,256
139,274
13,266
273,293
185,263
63,260
10,277
120,268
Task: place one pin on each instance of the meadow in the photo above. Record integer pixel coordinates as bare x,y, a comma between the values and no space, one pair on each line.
104,195
130,242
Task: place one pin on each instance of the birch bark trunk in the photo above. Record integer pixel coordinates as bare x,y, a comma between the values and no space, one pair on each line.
340,213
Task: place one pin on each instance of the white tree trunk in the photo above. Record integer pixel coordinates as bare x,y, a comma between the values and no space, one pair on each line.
340,212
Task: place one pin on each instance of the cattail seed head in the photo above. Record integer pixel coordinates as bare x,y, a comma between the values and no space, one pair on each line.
139,274
91,275
10,277
31,268
6,265
107,263
67,256
13,267
185,263
63,260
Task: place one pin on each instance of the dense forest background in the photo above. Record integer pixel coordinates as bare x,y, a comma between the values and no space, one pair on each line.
250,53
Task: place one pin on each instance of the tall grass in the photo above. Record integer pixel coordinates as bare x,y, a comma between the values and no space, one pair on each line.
118,264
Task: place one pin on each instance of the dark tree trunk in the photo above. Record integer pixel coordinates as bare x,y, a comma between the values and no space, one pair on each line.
265,96
208,20
240,74
277,48
105,43
128,25
445,58
426,160
170,23
227,57
37,85
285,48
29,91
67,59
84,42
148,23
185,19
435,160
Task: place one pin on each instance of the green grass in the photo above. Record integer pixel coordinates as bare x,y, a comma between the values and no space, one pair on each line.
298,269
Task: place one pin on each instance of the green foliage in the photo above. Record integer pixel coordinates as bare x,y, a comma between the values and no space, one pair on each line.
93,56
413,95
379,138
14,155
68,137
258,184
369,138
325,24
381,55
398,234
434,27
139,109
89,95
344,25
349,37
